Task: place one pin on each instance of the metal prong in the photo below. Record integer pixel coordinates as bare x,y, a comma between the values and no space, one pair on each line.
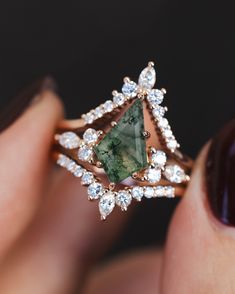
57,137
98,164
124,208
134,176
146,134
112,186
187,178
100,133
103,218
126,80
151,64
113,123
163,90
114,92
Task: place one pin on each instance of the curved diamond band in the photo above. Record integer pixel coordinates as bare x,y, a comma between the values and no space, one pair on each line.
125,149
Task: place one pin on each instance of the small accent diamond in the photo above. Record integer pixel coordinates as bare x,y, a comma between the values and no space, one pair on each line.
129,89
137,193
159,158
159,111
155,96
98,112
69,140
170,192
163,123
149,192
90,136
106,204
78,172
172,144
119,99
153,175
123,199
174,173
87,178
88,118
160,191
108,106
63,160
95,190
85,153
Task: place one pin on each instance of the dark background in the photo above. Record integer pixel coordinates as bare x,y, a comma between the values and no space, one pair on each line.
89,46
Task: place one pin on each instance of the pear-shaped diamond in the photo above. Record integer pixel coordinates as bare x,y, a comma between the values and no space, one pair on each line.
69,140
174,173
147,78
123,199
106,204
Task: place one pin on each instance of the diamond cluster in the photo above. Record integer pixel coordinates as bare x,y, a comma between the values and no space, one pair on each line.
109,199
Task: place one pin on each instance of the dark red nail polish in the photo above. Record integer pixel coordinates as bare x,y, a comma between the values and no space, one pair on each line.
220,174
17,106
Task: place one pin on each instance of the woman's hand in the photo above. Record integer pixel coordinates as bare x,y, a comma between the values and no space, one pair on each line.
50,236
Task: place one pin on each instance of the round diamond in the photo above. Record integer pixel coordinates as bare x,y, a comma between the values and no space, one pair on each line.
106,204
85,153
159,158
137,193
153,175
90,136
172,144
159,111
119,99
167,133
155,96
69,140
170,192
89,118
95,190
147,78
174,173
163,123
71,166
108,106
98,112
160,191
63,160
123,199
78,172
149,192
129,89
87,178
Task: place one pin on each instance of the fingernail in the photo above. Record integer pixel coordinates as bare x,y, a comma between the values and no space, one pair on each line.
220,174
18,105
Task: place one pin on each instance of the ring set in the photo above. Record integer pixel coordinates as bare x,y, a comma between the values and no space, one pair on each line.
124,149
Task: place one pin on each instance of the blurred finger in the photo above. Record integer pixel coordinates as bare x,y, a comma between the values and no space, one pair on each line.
24,153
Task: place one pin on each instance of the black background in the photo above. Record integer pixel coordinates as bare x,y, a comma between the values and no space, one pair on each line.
89,46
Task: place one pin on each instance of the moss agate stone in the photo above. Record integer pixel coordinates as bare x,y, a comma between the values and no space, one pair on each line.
122,151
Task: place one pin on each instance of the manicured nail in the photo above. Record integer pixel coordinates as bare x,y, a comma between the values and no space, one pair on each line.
220,174
19,104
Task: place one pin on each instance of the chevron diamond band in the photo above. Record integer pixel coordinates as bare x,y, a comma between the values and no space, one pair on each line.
124,149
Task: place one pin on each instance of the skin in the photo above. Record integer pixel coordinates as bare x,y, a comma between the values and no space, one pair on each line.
51,239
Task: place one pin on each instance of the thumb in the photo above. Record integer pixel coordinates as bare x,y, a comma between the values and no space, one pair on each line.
200,251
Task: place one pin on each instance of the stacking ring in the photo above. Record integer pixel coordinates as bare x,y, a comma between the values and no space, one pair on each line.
124,149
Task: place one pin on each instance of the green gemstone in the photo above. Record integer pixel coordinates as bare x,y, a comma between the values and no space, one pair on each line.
123,150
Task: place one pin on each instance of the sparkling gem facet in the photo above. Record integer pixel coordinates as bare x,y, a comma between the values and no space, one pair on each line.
108,106
78,172
149,192
153,175
89,118
137,193
155,96
106,204
174,173
69,140
170,192
123,150
98,112
172,144
95,190
158,158
85,153
129,89
159,111
87,178
160,191
119,99
123,199
90,136
147,78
